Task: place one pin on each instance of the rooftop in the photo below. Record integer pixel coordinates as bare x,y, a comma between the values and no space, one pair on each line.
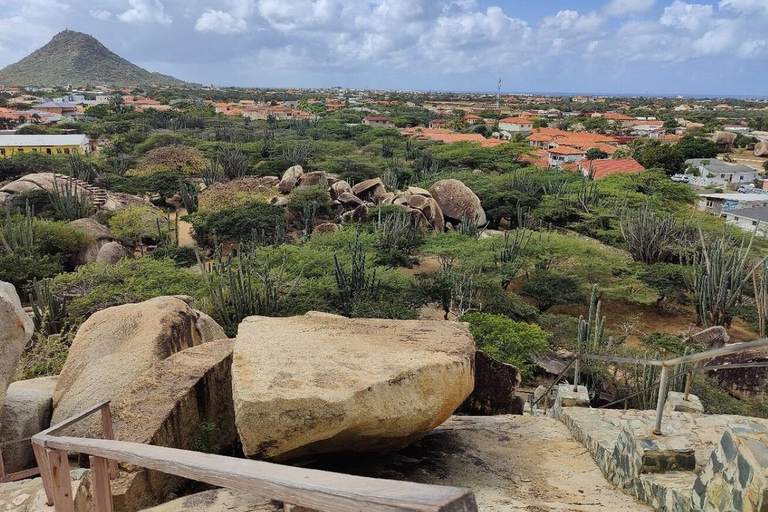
43,140
759,213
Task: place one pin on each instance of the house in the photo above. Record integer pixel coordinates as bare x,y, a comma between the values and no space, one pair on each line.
722,172
737,128
439,123
605,167
749,219
377,121
717,204
472,118
564,154
516,125
624,120
55,107
47,144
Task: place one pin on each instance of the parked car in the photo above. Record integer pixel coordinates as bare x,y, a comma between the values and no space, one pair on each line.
681,178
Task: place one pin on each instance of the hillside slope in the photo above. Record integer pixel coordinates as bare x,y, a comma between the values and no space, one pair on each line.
77,59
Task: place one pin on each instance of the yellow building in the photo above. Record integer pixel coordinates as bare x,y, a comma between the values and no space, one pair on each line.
46,144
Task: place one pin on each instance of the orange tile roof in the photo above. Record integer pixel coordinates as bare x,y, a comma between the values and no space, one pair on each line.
603,168
516,120
615,116
565,150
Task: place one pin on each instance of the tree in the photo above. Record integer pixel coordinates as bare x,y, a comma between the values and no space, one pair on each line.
670,125
595,154
653,154
510,342
551,289
666,279
696,147
597,124
765,165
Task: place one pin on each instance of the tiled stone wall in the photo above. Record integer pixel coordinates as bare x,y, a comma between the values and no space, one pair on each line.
736,476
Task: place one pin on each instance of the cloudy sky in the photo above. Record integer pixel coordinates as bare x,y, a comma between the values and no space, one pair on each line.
591,46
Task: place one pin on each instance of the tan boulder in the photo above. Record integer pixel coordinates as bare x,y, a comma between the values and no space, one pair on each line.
368,190
29,495
184,401
761,148
456,201
418,191
290,179
313,179
323,383
16,328
112,252
339,188
349,200
98,235
115,346
218,500
27,411
327,227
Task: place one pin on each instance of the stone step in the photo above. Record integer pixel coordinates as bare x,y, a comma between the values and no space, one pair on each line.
671,491
596,432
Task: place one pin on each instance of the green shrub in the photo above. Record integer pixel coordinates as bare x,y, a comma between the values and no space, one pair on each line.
497,301
510,342
59,239
184,257
550,289
38,200
46,357
20,269
237,224
95,287
136,225
665,343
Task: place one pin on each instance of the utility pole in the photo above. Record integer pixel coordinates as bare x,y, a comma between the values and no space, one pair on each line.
498,97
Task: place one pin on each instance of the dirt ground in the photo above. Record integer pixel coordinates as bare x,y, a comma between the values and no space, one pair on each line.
512,463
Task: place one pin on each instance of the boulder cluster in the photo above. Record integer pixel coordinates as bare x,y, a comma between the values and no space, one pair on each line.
285,389
446,204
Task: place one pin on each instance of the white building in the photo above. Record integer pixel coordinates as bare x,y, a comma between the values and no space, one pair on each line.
749,219
722,172
719,204
516,125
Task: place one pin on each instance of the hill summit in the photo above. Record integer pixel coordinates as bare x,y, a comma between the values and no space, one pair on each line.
77,59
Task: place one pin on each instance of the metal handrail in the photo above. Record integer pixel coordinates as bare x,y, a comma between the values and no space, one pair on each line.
671,363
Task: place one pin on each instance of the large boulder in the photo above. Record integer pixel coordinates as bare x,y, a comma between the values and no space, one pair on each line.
495,387
746,383
112,252
219,499
29,495
183,401
313,179
323,383
457,201
290,179
116,345
16,328
339,188
27,411
761,148
98,235
370,190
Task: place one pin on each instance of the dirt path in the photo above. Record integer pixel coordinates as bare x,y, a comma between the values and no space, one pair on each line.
185,231
512,463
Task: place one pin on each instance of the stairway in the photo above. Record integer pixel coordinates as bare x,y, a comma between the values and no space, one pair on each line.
97,196
701,462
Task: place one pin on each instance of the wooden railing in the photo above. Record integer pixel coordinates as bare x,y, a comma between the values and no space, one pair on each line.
308,488
18,475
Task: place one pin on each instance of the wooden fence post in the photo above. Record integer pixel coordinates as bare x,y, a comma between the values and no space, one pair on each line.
45,471
102,493
61,481
109,433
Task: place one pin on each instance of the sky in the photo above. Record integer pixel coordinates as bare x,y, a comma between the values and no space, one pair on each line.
577,46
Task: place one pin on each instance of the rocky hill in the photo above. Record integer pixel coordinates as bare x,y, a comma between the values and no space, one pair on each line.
74,58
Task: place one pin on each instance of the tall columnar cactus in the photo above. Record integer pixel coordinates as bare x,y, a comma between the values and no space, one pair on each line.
69,202
356,282
18,237
50,312
649,236
718,276
592,330
760,284
189,196
588,195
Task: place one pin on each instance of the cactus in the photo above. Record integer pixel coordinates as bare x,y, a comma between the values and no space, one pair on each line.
81,170
50,312
189,196
718,275
760,284
649,237
592,330
68,202
588,195
19,237
242,285
308,219
357,282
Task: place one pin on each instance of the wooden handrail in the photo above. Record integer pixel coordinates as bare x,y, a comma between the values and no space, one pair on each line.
309,488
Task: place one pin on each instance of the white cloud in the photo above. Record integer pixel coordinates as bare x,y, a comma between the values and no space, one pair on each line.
220,22
616,8
145,11
745,6
101,14
688,16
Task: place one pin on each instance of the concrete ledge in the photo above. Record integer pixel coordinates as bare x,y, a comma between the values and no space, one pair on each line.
676,402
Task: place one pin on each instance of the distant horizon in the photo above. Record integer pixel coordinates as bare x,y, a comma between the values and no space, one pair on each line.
708,49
